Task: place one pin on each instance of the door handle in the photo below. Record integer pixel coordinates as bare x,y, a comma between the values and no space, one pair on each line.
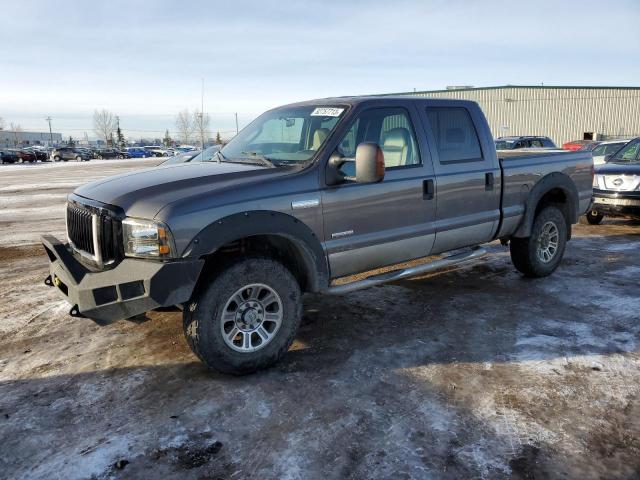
428,189
488,181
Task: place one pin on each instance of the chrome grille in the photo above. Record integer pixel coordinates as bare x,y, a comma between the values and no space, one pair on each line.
92,233
622,183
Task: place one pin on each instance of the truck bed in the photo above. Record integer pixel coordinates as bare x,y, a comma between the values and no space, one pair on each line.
522,170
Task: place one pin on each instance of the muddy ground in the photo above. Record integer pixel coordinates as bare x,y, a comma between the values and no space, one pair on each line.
475,372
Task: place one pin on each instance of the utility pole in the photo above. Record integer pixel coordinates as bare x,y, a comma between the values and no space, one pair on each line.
202,115
236,123
48,119
201,126
119,132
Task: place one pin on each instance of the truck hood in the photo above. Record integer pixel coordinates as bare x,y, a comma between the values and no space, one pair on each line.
144,193
618,168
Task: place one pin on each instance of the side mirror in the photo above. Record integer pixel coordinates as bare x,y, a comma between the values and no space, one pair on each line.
369,163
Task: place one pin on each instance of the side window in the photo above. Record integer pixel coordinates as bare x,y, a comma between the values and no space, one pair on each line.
456,137
347,146
391,128
536,143
397,140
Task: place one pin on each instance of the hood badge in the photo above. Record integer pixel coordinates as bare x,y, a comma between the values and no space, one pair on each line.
618,181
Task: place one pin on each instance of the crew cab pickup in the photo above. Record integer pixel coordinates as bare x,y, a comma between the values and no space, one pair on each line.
306,194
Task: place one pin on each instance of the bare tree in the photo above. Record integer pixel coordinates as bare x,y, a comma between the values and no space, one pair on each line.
201,123
104,124
185,125
1,123
17,133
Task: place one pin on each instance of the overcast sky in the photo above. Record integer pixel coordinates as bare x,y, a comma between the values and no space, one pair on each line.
145,60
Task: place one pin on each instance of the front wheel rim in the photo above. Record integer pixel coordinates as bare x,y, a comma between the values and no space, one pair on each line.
548,242
251,318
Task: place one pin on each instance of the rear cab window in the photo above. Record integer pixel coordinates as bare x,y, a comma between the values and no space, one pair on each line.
456,139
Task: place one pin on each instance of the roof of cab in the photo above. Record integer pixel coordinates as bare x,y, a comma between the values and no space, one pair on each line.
356,100
520,137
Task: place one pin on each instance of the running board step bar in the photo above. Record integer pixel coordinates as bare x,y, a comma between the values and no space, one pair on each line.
394,275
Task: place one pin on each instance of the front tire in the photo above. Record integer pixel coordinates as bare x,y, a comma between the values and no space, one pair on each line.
246,318
541,253
78,158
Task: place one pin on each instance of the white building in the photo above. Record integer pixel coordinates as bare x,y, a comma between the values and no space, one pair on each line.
9,138
562,113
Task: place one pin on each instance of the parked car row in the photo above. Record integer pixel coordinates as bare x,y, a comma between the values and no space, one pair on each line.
80,153
85,154
193,156
17,155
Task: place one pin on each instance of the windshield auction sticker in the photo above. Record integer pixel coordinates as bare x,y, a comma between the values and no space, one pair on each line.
327,112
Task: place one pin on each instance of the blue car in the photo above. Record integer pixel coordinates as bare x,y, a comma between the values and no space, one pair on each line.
138,152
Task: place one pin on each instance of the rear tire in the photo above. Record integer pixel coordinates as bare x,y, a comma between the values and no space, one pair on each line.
594,218
541,253
78,158
56,159
245,318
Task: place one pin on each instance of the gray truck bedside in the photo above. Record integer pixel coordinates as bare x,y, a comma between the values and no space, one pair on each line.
308,193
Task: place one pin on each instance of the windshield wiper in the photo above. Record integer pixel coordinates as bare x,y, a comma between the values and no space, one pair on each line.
220,156
256,156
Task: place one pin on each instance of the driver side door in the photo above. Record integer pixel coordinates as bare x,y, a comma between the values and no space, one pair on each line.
372,225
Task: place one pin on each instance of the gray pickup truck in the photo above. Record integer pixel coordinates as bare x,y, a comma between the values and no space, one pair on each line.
306,194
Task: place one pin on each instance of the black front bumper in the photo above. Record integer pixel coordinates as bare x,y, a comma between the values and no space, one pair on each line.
130,288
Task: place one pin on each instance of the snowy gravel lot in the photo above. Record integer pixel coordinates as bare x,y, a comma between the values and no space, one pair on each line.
470,373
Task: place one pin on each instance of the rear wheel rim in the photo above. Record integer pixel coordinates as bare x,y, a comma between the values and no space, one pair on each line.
251,318
548,242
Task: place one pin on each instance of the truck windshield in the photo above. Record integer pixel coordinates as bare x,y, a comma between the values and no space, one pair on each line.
627,154
284,136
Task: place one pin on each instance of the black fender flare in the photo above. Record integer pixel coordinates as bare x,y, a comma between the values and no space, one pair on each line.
556,180
264,222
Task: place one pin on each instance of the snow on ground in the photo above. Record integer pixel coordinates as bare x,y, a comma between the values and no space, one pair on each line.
32,196
472,373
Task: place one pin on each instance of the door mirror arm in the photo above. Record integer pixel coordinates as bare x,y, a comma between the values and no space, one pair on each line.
334,176
369,163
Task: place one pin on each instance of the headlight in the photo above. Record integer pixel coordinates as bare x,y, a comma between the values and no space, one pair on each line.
146,238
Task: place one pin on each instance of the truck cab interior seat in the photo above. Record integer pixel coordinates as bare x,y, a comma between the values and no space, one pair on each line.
396,146
319,136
